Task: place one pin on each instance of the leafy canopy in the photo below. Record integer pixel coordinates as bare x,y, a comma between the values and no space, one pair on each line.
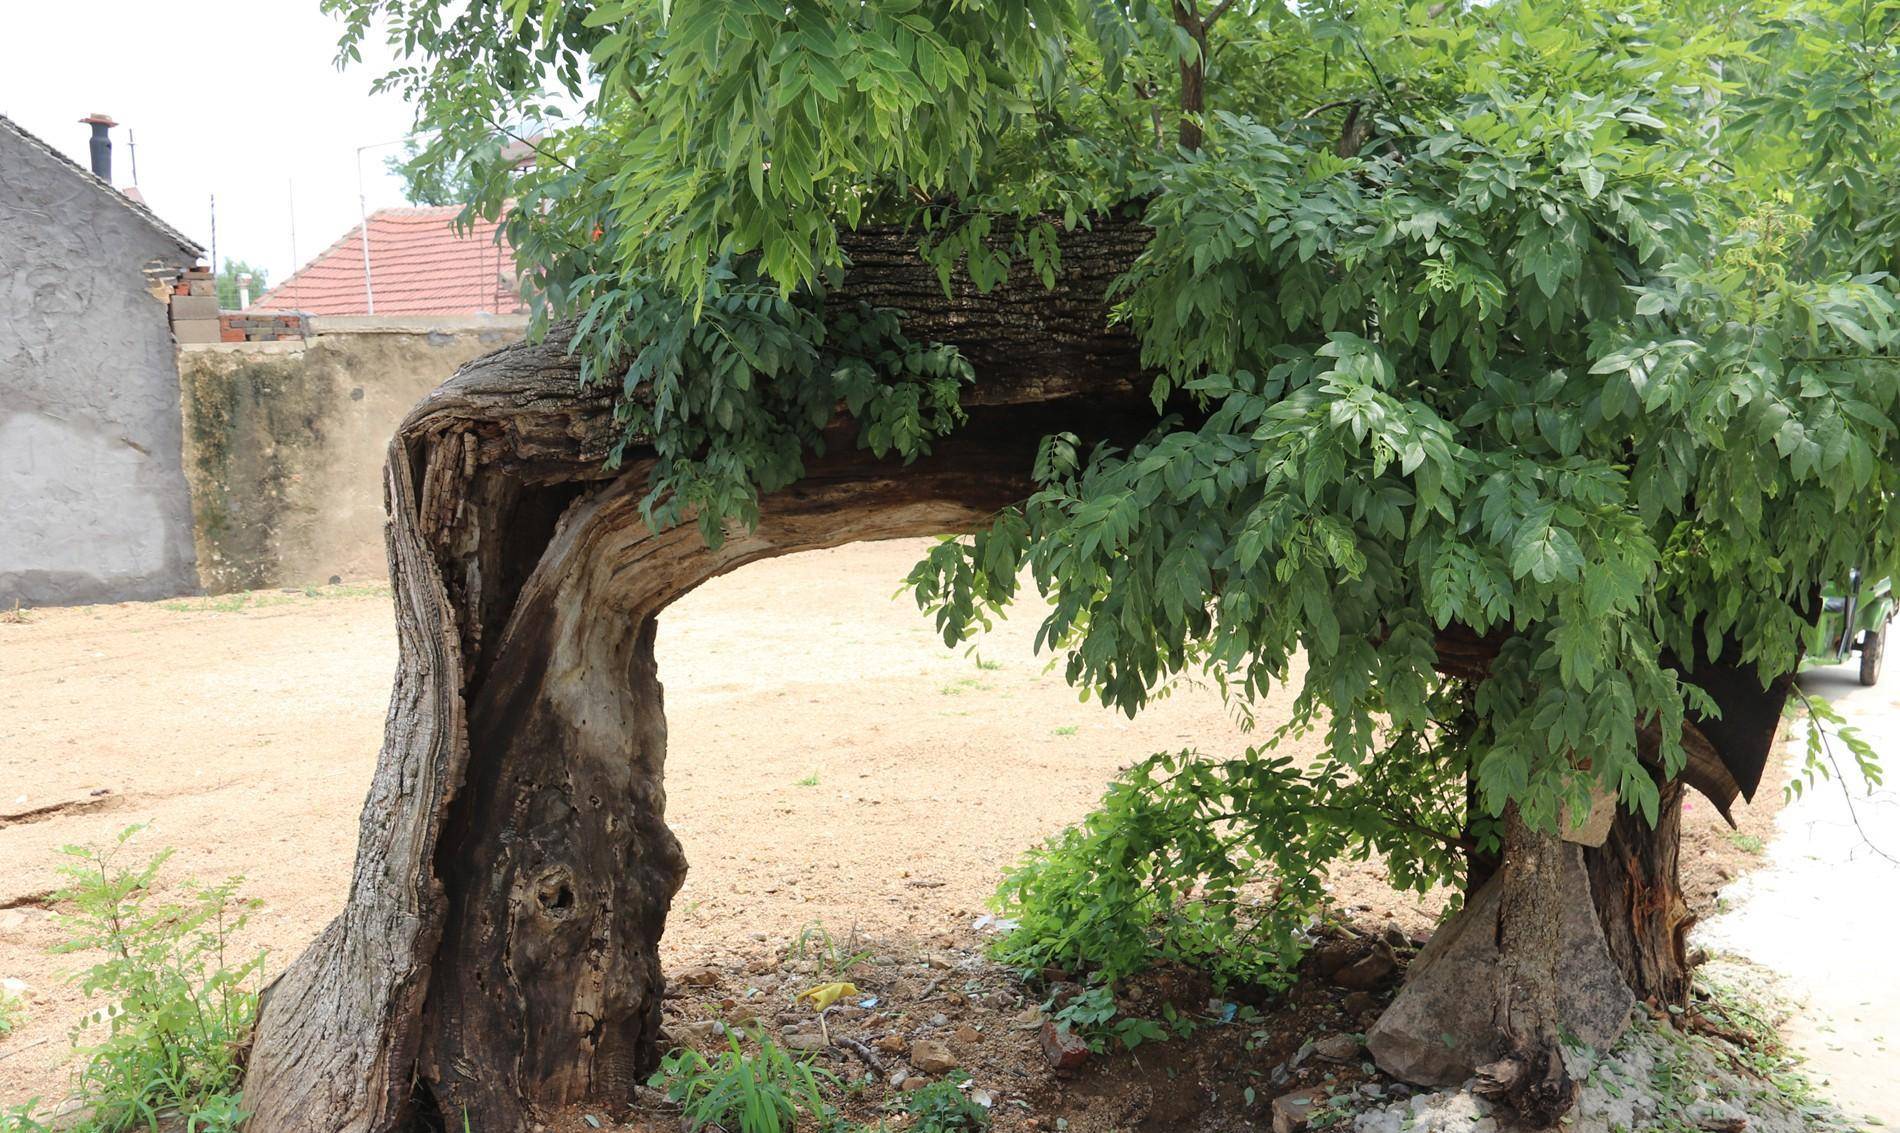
1561,328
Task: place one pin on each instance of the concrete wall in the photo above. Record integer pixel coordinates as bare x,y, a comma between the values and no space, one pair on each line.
93,504
285,442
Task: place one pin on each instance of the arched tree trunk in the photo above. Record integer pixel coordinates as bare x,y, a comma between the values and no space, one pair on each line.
499,948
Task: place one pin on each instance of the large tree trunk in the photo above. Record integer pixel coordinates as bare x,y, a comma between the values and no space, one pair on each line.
499,948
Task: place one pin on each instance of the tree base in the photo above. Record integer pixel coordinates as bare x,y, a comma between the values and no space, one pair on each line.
1443,1026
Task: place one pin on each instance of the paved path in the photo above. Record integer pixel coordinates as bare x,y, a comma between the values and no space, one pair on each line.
1825,910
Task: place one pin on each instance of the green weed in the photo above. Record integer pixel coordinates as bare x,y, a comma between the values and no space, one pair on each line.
943,1107
743,1093
178,1009
815,942
808,781
962,685
1746,843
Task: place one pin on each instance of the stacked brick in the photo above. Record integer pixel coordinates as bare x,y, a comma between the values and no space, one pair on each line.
194,307
261,326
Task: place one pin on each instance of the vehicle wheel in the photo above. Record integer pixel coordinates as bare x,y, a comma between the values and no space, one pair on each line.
1872,651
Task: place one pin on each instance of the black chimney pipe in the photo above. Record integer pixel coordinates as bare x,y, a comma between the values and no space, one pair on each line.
101,146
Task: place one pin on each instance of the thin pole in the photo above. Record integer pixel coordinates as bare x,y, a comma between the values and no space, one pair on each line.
132,144
295,263
214,234
362,212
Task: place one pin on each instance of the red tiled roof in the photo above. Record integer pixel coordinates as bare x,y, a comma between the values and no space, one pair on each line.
419,264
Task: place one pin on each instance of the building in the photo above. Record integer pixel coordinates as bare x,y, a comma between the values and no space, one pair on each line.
93,502
418,263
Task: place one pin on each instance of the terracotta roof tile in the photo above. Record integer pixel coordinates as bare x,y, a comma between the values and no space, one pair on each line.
419,264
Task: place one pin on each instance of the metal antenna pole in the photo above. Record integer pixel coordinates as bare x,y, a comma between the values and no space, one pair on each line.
362,212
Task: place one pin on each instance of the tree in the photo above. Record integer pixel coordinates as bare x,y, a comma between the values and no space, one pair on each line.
230,290
1524,371
431,176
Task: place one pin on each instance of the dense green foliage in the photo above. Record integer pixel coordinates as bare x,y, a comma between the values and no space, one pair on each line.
1170,867
177,1007
1564,329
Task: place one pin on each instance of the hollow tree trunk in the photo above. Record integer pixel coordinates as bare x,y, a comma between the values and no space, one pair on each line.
499,949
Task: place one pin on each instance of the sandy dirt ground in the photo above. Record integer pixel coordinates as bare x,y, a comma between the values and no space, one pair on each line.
1825,911
831,762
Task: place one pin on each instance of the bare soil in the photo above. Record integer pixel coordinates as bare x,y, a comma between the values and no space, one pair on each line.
831,763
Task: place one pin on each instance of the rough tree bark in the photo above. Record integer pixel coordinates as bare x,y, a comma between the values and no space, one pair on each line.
1639,902
1529,1075
498,951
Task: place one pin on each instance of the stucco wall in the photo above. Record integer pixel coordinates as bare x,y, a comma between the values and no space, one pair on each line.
93,504
285,445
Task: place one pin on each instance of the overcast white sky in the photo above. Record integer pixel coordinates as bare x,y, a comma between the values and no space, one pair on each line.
233,97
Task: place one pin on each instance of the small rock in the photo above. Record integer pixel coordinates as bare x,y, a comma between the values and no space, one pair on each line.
899,1076
1337,1048
703,975
12,920
931,1056
1394,936
1063,1050
803,1040
1332,956
967,1034
696,1032
1292,1111
939,1020
1028,1019
1367,972
1358,1003
913,1083
891,1044
1000,999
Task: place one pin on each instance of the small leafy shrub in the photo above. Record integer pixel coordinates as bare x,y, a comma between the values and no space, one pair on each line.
1093,1016
943,1107
743,1093
9,1014
1176,863
179,1009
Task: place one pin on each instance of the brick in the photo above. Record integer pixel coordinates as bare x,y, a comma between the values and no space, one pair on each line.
194,331
206,287
229,335
186,307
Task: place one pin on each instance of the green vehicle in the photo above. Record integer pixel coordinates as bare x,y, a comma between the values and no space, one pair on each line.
1853,619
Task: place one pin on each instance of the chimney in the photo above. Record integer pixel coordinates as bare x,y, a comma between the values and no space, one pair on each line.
101,145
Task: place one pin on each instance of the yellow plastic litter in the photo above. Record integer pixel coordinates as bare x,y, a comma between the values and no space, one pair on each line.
824,995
